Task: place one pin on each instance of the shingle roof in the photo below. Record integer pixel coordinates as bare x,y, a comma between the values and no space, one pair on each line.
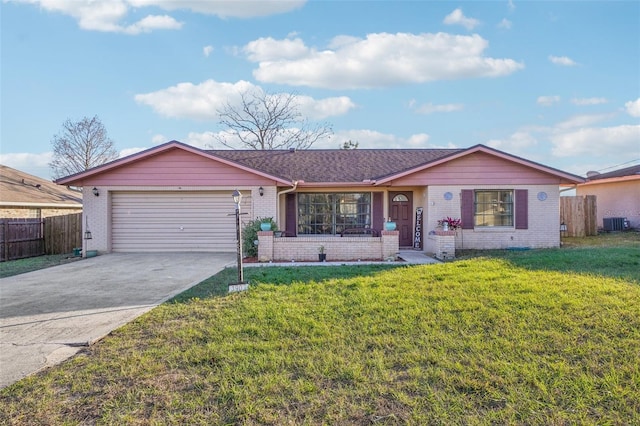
628,171
318,165
21,187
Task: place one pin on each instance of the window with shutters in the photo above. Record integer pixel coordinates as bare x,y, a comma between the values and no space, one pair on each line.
493,208
332,213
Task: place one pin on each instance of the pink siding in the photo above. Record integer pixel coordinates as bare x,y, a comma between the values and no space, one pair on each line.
478,168
177,167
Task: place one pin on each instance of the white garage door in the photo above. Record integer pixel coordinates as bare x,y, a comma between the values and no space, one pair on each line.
173,221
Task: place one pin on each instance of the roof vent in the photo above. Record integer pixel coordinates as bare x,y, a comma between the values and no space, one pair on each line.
592,173
37,185
292,149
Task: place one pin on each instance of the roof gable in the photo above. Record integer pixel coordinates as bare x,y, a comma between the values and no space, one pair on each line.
172,163
488,164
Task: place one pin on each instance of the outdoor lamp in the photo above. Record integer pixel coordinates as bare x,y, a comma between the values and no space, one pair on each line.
237,196
87,235
95,191
261,191
563,227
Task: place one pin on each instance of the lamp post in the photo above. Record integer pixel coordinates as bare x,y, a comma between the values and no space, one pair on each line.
240,285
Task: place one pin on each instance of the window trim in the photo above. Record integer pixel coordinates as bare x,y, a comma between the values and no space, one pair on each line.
334,214
511,215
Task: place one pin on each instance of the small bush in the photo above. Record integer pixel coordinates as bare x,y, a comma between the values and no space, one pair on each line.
250,234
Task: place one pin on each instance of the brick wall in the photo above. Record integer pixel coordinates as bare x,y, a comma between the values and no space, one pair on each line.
543,227
443,244
36,212
305,249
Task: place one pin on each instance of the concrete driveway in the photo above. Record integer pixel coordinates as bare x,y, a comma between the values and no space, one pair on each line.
47,316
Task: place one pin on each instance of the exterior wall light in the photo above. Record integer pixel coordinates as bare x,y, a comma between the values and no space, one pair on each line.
95,191
261,191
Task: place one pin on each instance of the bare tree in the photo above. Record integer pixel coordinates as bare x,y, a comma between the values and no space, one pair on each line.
350,144
80,146
266,121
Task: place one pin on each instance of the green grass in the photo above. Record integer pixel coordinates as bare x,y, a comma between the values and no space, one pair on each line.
482,340
20,266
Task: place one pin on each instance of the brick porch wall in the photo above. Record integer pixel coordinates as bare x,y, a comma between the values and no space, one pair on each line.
304,249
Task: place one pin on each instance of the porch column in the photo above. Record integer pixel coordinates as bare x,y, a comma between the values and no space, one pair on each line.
265,246
390,245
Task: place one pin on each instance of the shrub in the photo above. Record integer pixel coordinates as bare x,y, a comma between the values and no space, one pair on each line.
250,234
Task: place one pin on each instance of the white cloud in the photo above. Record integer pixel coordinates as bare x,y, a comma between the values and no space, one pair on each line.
202,101
598,142
107,15
195,101
505,24
207,50
323,108
158,139
585,120
633,108
562,60
153,22
511,6
268,49
225,9
517,143
130,151
431,108
548,100
382,59
588,101
457,17
34,164
371,139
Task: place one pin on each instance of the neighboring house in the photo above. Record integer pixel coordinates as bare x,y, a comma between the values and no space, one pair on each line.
175,197
617,194
26,196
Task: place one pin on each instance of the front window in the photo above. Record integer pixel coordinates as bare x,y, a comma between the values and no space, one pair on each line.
332,213
493,208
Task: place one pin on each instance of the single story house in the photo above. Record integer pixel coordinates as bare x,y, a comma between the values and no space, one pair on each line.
175,197
617,194
25,196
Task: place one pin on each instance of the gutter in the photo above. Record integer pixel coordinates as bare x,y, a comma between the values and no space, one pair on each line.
285,191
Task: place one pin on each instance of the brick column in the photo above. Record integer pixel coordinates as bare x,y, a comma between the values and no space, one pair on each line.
265,246
390,244
445,245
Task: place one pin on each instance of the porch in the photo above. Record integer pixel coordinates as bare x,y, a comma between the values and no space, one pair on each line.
337,248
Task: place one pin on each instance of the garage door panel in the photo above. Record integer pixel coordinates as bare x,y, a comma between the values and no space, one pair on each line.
173,221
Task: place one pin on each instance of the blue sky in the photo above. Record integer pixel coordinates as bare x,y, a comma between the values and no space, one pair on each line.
554,82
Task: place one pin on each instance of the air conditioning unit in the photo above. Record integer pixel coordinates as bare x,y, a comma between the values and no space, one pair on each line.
613,223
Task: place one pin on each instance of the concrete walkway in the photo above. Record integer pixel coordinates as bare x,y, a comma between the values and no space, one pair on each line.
47,316
409,257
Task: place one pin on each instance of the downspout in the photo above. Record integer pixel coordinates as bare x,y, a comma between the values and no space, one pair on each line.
286,191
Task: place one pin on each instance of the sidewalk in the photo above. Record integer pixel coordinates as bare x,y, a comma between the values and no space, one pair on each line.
409,257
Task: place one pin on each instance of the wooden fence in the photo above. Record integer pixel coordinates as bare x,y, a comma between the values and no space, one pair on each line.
62,233
21,238
579,214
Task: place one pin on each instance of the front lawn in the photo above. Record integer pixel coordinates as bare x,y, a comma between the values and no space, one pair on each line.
476,341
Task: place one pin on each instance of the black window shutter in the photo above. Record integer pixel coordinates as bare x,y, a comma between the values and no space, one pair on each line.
291,214
522,209
467,210
378,211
